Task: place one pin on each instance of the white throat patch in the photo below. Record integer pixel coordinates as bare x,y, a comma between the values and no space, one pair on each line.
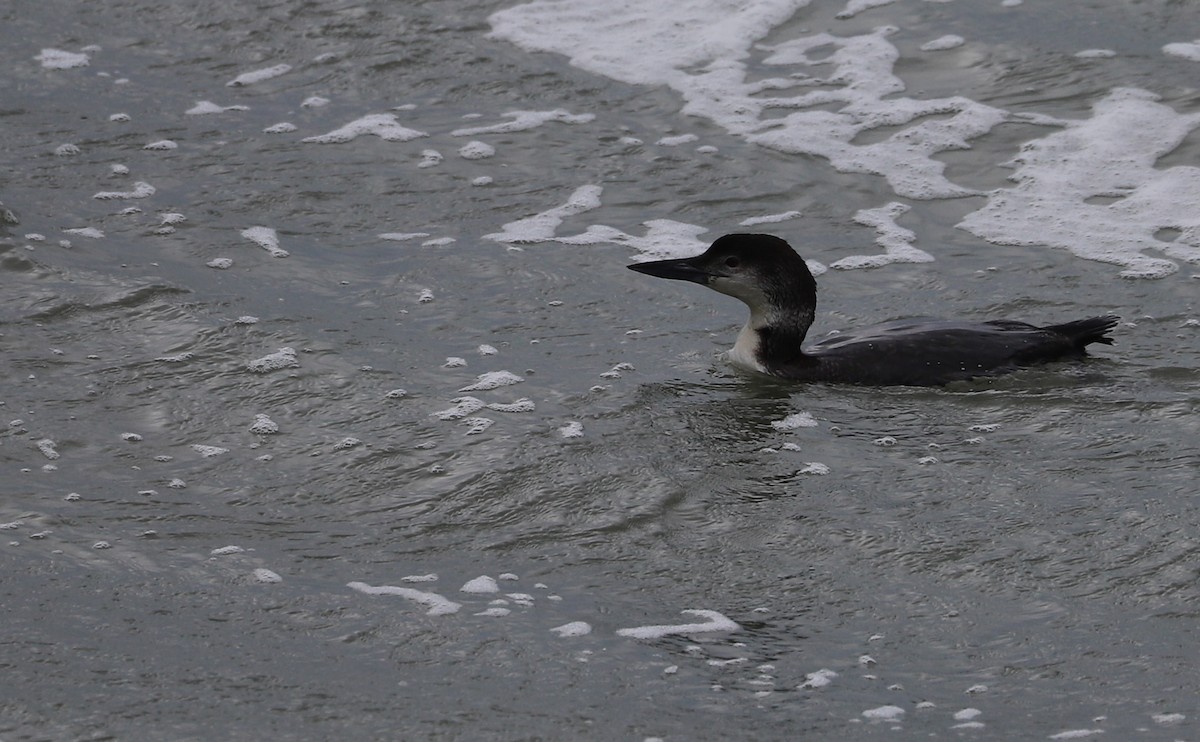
744,353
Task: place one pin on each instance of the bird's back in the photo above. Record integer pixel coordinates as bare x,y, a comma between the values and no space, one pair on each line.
932,352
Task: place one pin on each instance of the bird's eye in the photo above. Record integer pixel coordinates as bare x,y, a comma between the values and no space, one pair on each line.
732,262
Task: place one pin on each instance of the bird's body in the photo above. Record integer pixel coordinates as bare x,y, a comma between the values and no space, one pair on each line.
776,284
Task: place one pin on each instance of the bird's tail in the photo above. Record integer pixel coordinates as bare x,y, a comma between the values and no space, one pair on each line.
1083,332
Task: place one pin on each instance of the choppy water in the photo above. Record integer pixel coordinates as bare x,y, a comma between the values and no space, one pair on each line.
1013,559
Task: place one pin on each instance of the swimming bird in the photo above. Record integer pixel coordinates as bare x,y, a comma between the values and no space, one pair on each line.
765,273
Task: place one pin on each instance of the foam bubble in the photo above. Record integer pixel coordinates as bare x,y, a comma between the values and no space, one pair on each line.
140,190
894,239
524,120
713,621
264,425
383,125
475,150
282,358
438,605
818,679
205,107
402,236
573,429
493,380
208,451
884,713
854,7
521,405
463,406
769,218
481,584
541,227
942,43
574,628
1190,52
266,73
57,59
795,421
267,239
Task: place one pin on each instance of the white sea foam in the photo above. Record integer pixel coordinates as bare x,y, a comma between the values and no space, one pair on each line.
264,425
894,239
161,145
383,125
208,451
795,421
57,59
431,577
463,406
884,713
521,405
402,236
818,679
481,584
477,425
437,605
541,227
205,107
574,628
48,448
1188,51
495,611
942,43
493,380
266,73
475,150
854,7
89,232
675,141
1076,733
846,86
430,158
266,575
524,120
267,239
573,429
282,358
713,621
769,218
1113,154
140,190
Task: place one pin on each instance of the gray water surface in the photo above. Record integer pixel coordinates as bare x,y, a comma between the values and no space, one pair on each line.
1018,555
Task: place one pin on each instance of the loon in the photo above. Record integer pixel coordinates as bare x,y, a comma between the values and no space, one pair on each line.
765,273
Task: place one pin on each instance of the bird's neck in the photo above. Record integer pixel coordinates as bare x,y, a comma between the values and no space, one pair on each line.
772,338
